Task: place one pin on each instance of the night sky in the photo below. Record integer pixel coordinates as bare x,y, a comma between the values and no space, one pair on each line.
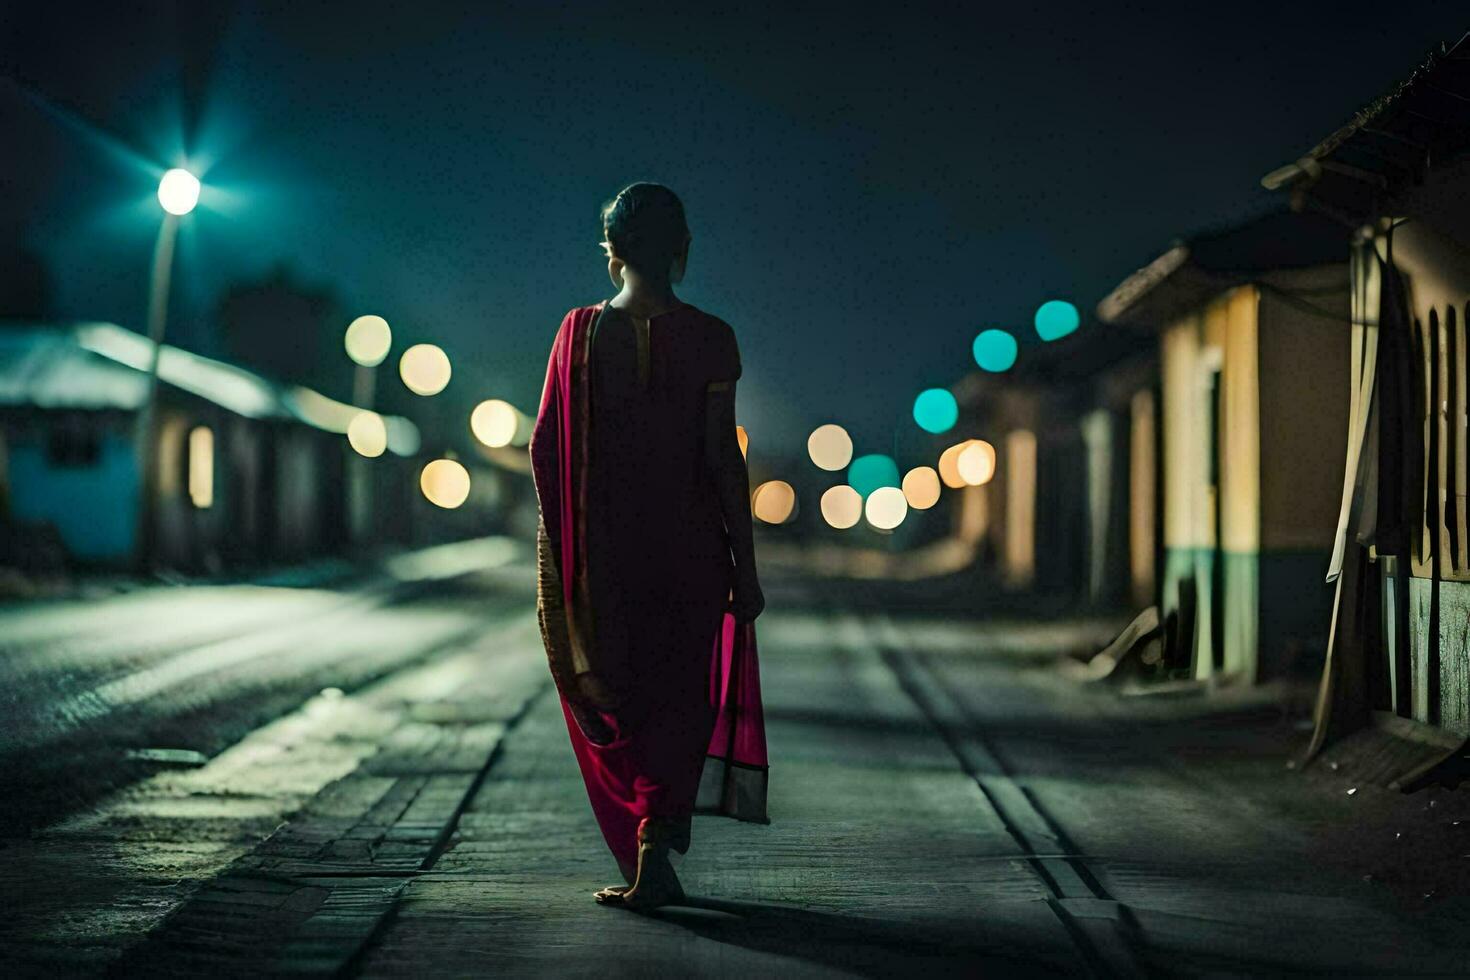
865,194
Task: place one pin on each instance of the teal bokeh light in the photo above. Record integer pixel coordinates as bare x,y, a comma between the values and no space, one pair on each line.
995,350
868,473
936,410
1055,319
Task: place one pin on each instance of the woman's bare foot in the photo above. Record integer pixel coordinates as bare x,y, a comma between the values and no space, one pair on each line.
656,883
653,888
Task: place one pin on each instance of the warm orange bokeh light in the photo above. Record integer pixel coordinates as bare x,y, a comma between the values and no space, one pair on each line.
774,502
949,465
977,462
921,487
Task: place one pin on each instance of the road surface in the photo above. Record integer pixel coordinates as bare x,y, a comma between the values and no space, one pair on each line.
372,778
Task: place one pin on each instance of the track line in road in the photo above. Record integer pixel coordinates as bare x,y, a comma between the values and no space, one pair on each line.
1102,928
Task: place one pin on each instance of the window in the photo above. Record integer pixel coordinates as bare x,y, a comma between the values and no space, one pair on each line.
201,466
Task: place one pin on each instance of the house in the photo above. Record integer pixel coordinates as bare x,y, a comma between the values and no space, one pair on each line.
1071,510
250,470
1398,175
1252,333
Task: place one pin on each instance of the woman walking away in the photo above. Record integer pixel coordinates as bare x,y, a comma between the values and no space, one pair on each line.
647,586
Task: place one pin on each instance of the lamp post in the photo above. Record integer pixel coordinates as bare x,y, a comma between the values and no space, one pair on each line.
178,193
368,340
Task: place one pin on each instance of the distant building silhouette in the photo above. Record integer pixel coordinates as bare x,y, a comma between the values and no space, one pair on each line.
287,329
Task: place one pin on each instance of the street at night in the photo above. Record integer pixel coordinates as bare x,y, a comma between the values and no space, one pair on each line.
570,490
374,779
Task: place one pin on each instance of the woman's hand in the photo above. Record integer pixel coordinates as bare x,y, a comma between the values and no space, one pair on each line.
748,600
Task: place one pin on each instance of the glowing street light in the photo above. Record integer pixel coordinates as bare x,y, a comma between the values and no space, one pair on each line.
886,508
367,433
868,473
495,422
367,340
774,502
976,462
829,446
178,191
949,465
935,410
994,350
424,369
446,483
1055,319
921,487
842,506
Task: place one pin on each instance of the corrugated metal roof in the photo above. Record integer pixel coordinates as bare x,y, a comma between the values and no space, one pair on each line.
49,368
93,366
1196,269
1391,144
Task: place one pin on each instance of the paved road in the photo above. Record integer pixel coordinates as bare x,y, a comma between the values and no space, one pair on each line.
386,789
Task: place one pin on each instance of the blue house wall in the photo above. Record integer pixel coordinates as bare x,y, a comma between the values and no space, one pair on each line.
94,508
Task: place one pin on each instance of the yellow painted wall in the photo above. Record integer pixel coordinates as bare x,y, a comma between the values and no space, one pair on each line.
1179,356
1142,494
1240,421
1019,464
1222,337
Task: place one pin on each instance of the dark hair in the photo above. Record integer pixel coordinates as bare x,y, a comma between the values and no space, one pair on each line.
645,226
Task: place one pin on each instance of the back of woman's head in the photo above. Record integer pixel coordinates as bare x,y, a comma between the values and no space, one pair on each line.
645,226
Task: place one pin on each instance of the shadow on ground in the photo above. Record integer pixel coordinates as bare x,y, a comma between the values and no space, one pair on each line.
863,946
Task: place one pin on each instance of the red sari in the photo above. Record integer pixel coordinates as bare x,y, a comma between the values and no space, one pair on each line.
658,683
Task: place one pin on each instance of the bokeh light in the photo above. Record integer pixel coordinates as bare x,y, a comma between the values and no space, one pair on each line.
445,483
1055,319
368,434
976,462
936,410
995,350
868,473
494,422
921,487
178,191
742,438
842,506
830,447
886,508
949,465
774,502
368,340
424,369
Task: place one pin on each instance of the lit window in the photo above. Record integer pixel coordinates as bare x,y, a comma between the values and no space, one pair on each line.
201,466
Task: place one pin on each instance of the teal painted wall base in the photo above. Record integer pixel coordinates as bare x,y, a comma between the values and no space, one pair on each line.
1276,610
1454,653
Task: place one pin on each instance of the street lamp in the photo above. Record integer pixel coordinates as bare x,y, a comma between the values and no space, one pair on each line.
178,193
367,341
